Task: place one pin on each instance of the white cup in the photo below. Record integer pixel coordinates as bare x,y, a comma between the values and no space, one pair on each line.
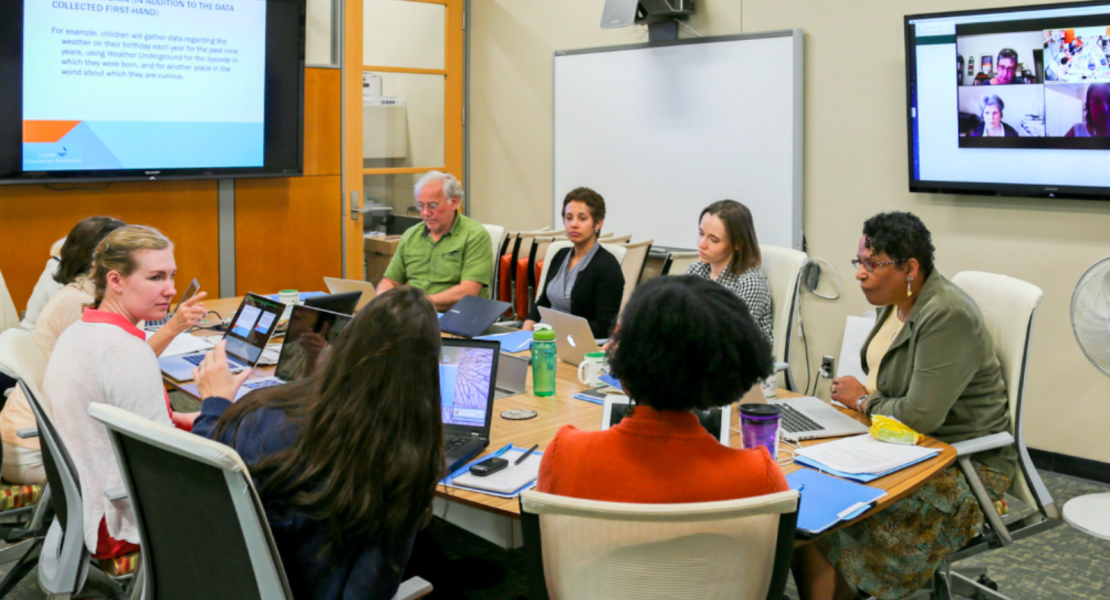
591,369
289,296
770,387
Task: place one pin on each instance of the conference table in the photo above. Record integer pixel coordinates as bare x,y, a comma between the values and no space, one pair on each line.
498,519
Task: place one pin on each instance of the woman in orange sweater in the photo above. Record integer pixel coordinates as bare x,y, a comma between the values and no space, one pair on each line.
684,344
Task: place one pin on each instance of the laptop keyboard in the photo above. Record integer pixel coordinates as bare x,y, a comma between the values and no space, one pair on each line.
796,422
196,359
452,443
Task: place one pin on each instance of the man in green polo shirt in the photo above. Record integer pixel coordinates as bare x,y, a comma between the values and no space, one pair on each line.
448,255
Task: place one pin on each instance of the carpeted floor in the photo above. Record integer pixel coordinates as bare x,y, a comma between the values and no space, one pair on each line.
1060,564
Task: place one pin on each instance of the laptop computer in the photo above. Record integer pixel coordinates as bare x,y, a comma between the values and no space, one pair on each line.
294,362
573,336
467,374
338,286
716,421
190,291
811,418
512,373
471,316
343,303
247,334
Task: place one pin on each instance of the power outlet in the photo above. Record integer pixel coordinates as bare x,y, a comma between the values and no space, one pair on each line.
828,365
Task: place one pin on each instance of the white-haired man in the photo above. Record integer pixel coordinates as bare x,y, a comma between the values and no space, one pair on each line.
448,255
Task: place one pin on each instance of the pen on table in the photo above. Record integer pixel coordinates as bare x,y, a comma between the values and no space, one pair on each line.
526,342
526,454
503,450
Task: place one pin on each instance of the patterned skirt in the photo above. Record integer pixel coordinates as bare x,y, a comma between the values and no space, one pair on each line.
895,552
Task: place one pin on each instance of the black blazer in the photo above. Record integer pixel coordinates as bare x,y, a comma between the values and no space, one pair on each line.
596,295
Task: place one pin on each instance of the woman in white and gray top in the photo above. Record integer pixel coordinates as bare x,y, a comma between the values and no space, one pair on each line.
104,358
728,253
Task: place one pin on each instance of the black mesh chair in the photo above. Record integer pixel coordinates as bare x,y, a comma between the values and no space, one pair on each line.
64,562
203,528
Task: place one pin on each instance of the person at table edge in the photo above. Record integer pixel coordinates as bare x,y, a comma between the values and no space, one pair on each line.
449,255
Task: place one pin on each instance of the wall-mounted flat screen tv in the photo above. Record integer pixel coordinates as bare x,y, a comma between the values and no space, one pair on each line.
1027,111
95,90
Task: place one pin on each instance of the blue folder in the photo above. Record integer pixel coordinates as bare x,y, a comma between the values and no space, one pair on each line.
827,500
517,341
304,295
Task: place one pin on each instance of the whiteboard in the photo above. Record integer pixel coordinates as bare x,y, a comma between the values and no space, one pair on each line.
662,130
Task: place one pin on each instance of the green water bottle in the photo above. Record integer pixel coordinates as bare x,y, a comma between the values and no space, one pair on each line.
543,360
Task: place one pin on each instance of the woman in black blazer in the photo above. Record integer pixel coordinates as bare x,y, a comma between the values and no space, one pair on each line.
585,280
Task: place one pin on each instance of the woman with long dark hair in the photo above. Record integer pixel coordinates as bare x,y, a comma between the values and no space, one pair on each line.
346,460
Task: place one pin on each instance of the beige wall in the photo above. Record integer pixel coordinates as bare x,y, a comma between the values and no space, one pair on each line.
856,166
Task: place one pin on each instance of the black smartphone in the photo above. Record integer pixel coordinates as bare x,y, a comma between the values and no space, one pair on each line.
488,466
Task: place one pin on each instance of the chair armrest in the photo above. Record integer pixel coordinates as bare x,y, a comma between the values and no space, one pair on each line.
781,366
982,444
116,493
28,433
413,588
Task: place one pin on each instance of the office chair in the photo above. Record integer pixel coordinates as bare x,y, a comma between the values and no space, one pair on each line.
24,509
496,238
204,531
586,549
65,563
633,266
508,286
1008,306
678,262
783,268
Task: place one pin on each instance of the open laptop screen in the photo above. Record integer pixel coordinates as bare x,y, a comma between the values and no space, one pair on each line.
466,378
308,341
251,327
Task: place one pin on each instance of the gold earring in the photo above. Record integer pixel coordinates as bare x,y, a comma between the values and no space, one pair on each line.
909,289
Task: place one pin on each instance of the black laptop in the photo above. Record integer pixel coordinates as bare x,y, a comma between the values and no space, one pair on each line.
343,303
467,378
472,316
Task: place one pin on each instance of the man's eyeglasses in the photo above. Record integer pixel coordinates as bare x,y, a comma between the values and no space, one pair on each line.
430,207
870,266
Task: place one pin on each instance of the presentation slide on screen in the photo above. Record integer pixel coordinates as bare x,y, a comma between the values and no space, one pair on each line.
1028,103
143,84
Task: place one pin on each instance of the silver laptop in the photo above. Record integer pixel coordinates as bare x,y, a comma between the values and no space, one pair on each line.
512,373
811,418
247,334
293,362
339,286
573,337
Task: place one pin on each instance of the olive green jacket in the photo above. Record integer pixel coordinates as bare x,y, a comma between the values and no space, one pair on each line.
941,375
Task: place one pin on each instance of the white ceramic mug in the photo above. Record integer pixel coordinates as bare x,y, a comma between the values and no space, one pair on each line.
591,369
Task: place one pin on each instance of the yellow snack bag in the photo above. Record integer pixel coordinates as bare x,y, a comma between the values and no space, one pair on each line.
889,429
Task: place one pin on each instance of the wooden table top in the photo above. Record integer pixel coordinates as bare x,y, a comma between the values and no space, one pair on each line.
561,409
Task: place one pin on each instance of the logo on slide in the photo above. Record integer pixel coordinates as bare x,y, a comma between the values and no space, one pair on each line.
62,152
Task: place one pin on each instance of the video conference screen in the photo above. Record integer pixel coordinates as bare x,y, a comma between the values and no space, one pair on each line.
1028,107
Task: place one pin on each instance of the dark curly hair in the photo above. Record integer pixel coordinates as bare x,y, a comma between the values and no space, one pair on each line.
687,343
901,236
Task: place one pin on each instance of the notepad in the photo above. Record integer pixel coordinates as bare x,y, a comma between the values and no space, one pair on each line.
509,481
827,500
863,454
517,341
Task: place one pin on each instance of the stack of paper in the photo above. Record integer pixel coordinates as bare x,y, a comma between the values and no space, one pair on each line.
187,343
863,457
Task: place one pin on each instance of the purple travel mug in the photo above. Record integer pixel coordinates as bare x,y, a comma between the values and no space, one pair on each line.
759,426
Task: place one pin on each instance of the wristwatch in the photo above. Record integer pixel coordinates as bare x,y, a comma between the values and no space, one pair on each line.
862,401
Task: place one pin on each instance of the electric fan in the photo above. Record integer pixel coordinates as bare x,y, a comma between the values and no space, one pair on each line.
1090,320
